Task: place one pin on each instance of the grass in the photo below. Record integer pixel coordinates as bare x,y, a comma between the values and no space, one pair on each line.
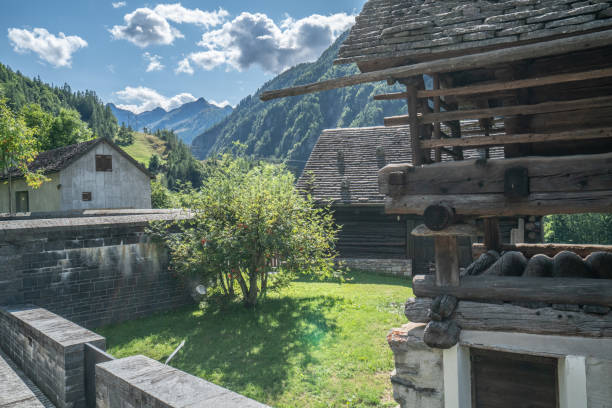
314,344
144,147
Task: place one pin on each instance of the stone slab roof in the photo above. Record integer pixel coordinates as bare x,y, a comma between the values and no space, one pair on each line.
343,166
413,29
58,159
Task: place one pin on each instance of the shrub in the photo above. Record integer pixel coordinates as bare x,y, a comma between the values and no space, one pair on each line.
250,231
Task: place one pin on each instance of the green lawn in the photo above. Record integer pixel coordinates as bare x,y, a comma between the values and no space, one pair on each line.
312,345
144,147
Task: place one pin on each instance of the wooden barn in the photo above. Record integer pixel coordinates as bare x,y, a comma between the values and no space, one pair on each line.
525,325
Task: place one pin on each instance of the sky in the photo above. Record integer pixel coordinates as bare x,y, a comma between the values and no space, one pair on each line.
141,55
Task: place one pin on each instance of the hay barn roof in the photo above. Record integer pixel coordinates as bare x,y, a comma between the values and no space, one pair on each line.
413,30
343,166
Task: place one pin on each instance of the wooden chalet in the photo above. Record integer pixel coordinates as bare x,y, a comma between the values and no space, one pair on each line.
525,325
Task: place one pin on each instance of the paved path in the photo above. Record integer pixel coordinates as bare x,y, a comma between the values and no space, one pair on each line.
16,390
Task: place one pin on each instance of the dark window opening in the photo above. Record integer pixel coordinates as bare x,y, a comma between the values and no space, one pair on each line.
510,380
86,196
23,201
104,162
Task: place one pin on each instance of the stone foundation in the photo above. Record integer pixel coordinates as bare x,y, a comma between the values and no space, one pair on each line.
418,378
396,267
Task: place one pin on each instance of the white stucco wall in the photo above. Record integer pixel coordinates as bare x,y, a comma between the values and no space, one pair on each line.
124,187
46,198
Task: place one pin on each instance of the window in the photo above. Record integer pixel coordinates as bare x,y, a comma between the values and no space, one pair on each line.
104,162
23,201
86,196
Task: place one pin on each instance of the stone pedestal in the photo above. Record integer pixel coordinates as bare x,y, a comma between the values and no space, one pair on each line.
418,378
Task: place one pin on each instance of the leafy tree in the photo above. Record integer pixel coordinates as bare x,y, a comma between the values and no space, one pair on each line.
161,196
251,231
18,148
67,128
579,228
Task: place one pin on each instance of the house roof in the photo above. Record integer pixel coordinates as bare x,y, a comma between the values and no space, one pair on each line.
58,159
411,30
343,166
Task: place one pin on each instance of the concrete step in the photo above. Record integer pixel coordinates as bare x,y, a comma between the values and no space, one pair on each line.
16,391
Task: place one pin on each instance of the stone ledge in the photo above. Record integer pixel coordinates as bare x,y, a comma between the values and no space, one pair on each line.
139,378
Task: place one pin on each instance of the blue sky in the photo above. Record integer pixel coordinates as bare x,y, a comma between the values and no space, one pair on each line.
146,54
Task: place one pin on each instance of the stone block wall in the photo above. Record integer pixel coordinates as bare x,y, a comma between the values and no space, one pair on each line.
91,270
395,267
418,378
50,350
139,381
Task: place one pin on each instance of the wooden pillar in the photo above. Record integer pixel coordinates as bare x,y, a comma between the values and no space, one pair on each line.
415,142
492,238
437,132
447,260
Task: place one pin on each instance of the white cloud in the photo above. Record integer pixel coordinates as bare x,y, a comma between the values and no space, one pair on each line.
56,50
184,67
145,26
220,104
255,39
141,99
119,4
154,62
179,14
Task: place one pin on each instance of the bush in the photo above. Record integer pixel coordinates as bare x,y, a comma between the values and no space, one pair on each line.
250,231
578,228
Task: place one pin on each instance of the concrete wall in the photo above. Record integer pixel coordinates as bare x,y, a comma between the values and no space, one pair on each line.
50,350
124,187
140,382
46,198
93,271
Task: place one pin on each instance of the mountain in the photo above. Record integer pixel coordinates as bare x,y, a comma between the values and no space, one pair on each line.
20,91
187,121
287,129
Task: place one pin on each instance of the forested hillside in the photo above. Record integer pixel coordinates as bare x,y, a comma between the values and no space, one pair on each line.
21,91
287,129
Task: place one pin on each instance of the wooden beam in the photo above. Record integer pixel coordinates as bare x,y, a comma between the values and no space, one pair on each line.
551,250
464,62
458,230
437,134
447,260
492,236
563,174
523,83
575,291
413,121
544,107
583,134
513,318
391,96
497,205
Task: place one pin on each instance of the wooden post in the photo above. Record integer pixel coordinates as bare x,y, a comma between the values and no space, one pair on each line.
447,260
436,134
415,142
492,239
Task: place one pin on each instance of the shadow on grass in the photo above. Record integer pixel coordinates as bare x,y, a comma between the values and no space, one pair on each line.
246,350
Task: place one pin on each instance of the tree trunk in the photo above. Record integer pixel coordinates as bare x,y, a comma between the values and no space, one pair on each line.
251,299
10,193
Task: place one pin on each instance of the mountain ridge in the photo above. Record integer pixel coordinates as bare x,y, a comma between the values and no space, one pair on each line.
187,120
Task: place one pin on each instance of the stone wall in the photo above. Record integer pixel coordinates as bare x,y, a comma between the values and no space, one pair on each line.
396,267
91,270
418,378
139,381
50,350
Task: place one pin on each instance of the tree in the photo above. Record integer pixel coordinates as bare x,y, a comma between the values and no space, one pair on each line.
18,148
160,195
578,228
154,164
67,128
125,136
251,231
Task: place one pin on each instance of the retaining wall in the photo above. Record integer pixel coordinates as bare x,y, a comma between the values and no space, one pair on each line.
91,270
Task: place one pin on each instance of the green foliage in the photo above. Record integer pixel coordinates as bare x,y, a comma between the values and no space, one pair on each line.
287,129
21,91
55,131
18,147
125,136
155,164
160,196
247,219
181,167
579,228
